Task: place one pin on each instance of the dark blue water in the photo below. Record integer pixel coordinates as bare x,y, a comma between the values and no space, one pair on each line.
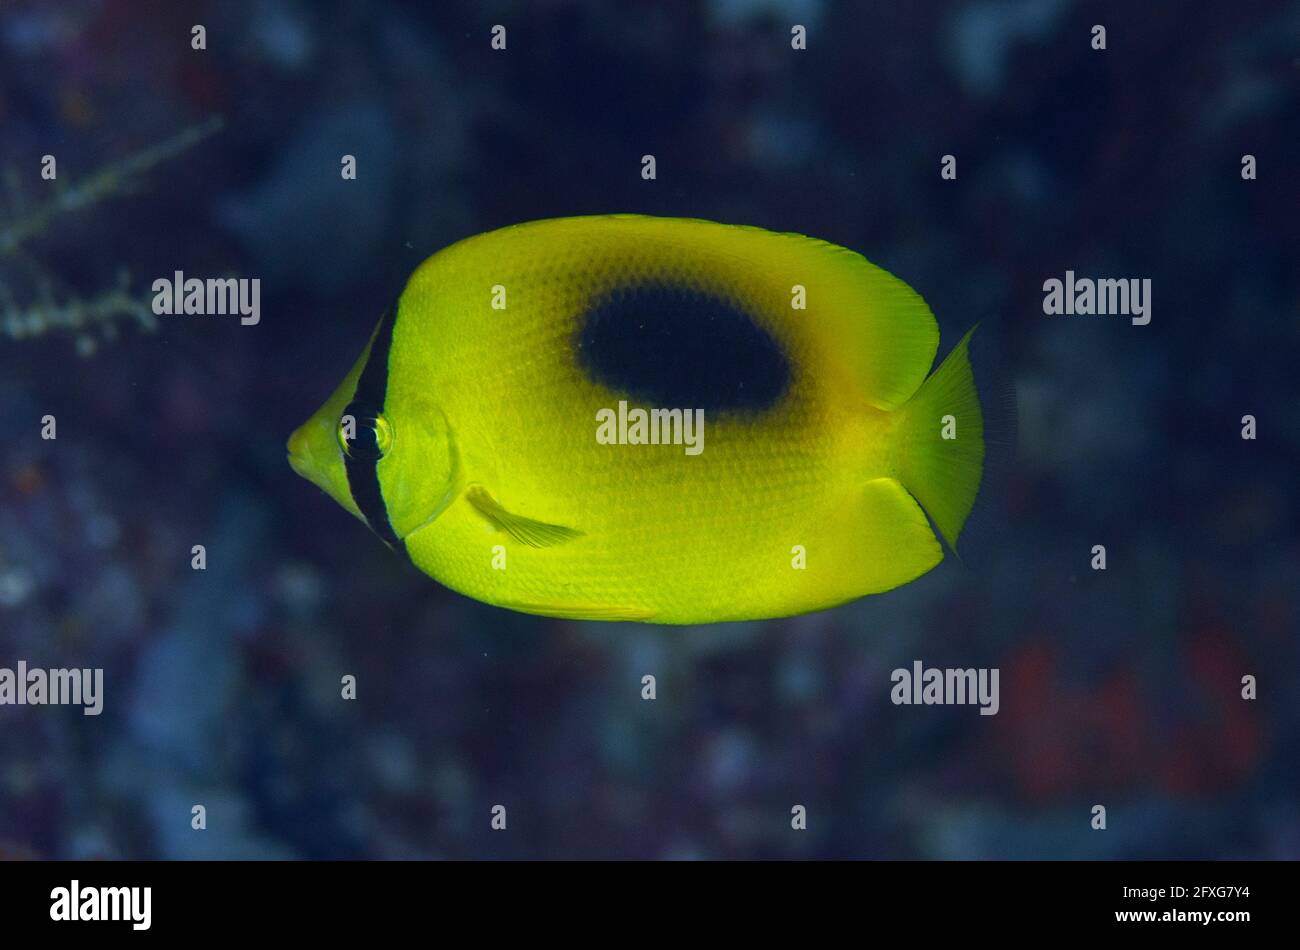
222,687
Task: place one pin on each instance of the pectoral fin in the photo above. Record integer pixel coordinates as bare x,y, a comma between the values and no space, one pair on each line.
535,534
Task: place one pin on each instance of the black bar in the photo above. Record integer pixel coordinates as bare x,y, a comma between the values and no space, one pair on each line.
233,899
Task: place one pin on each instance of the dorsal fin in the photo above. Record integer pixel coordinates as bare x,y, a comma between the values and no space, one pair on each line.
859,319
863,318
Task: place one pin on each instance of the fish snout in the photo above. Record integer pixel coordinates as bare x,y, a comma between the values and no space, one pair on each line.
297,449
311,450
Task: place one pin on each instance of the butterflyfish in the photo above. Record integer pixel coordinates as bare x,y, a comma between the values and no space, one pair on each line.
623,417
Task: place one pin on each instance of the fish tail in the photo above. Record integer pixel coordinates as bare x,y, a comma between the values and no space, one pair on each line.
940,452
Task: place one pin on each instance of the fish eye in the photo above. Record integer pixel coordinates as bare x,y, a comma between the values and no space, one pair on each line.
364,435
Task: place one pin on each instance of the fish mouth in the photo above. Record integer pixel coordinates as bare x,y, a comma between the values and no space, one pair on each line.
296,448
301,457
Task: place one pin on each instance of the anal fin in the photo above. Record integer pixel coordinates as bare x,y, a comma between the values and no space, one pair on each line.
896,543
582,611
535,534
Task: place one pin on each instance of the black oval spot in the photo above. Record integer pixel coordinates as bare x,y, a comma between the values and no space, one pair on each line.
675,346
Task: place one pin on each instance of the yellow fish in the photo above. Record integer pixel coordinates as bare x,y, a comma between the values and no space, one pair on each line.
677,421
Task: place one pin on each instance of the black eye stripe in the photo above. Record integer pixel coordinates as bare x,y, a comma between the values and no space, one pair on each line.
367,403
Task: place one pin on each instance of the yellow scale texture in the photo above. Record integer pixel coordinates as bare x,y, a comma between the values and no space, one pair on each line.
493,407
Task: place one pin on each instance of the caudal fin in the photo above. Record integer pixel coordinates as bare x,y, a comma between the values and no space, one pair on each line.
941,443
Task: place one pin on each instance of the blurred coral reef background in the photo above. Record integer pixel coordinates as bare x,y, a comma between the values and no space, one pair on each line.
1119,688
